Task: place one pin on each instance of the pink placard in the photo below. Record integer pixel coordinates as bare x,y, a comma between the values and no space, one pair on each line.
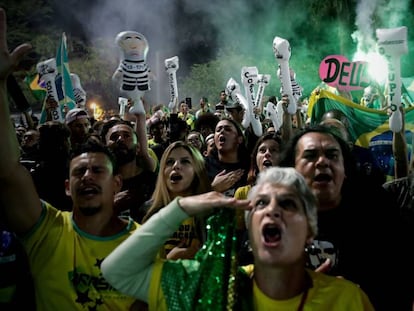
337,71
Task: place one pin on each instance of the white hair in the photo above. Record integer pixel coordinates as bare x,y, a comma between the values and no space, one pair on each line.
288,176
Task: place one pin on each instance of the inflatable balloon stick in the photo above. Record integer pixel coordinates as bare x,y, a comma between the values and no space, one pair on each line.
133,75
171,66
122,102
47,71
271,112
296,88
281,49
262,82
234,93
78,91
392,43
249,76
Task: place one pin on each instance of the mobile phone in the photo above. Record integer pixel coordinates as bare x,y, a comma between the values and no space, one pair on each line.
188,102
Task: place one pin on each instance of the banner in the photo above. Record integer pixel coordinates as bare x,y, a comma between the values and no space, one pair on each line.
337,71
368,128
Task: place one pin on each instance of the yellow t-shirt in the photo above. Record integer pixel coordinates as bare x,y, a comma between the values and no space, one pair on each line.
186,232
328,293
65,263
155,158
189,119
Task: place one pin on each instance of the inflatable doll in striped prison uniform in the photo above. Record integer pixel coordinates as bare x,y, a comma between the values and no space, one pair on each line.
133,78
133,75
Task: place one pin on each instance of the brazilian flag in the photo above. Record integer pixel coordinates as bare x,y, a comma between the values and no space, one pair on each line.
38,91
368,128
63,82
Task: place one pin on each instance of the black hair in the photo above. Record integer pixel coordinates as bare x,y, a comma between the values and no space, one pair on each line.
157,122
242,152
94,146
53,139
289,151
207,119
110,124
254,170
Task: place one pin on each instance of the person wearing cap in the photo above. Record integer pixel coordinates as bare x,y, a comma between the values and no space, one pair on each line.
236,112
77,120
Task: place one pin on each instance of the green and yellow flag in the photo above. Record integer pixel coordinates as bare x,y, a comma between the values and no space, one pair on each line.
368,128
38,91
63,81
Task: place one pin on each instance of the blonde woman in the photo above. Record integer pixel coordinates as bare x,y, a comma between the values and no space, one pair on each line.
182,173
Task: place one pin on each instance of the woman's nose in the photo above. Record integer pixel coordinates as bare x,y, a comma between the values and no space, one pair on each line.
176,164
273,209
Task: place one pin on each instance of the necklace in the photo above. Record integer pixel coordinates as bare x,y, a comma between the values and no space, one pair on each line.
303,299
305,293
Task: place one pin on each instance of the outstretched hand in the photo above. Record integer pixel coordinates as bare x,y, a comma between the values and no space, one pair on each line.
9,61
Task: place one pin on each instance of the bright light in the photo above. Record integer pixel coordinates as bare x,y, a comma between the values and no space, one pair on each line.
377,65
94,106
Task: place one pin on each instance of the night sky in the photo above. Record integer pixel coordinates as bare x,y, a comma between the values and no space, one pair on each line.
197,30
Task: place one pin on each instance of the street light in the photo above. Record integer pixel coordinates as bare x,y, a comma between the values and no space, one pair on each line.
93,107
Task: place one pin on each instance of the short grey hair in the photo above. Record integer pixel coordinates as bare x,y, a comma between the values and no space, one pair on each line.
288,176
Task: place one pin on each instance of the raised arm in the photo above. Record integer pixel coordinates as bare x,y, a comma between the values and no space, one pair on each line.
400,150
141,130
287,127
129,267
18,197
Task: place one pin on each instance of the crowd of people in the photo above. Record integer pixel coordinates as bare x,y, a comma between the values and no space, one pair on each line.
205,215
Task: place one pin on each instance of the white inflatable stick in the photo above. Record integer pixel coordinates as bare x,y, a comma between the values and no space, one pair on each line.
234,92
262,81
271,113
281,49
47,71
392,43
249,77
171,66
122,102
78,91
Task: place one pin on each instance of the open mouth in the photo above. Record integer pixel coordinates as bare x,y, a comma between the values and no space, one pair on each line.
267,163
271,234
322,178
222,139
88,191
176,177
